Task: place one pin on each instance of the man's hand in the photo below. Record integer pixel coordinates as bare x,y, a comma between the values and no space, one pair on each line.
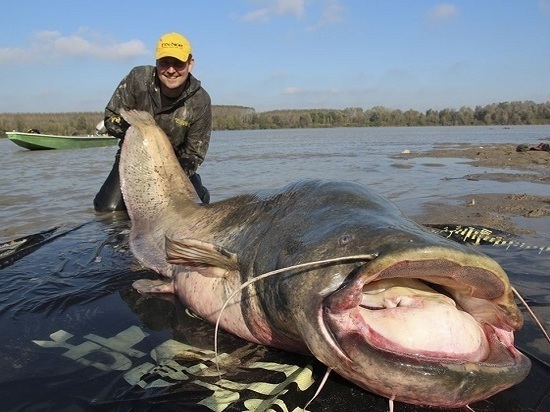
116,126
188,163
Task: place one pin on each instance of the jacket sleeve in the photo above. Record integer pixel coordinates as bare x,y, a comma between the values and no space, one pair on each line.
121,98
198,137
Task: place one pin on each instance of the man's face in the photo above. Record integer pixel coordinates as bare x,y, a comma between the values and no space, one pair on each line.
173,72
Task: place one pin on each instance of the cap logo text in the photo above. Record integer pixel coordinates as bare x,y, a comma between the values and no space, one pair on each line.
171,44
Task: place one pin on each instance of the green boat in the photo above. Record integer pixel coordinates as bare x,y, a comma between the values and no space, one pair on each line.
39,141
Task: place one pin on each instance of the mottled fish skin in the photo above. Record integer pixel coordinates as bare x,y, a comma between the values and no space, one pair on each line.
205,252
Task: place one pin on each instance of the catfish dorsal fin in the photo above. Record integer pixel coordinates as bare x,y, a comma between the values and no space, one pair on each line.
199,253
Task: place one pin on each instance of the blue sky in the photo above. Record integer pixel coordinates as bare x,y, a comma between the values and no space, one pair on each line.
68,56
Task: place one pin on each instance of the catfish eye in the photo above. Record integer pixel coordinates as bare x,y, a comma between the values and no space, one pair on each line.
344,240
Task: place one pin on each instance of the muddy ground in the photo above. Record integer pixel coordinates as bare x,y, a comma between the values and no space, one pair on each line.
489,209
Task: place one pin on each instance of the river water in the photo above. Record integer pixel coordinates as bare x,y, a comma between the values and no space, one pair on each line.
43,188
75,292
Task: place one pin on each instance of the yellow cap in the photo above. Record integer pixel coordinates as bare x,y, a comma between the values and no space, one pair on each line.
173,45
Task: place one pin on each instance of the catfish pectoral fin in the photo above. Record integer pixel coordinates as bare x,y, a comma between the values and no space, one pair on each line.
198,252
153,286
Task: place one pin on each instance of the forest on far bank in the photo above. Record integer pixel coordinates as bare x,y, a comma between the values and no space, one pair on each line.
246,118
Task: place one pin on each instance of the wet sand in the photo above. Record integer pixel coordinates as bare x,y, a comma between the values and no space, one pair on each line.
489,209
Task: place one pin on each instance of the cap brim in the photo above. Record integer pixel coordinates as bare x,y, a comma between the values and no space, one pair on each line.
178,54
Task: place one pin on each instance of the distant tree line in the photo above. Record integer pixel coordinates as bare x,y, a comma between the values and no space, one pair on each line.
66,124
507,113
242,118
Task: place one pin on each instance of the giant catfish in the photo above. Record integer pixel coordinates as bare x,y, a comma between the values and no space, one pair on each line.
425,320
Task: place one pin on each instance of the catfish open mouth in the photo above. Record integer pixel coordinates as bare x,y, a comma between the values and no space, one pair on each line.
436,310
438,322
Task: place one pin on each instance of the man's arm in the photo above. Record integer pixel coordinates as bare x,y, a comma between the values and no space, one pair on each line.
121,98
192,153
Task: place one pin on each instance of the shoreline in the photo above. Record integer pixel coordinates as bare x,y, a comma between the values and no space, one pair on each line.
493,210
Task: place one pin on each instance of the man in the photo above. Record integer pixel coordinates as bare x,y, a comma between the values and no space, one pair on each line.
179,104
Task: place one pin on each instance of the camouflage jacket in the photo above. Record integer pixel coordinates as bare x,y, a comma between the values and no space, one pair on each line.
187,121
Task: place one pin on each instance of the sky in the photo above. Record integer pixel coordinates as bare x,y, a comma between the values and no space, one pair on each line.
69,55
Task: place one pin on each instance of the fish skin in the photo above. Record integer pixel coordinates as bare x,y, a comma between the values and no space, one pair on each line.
205,252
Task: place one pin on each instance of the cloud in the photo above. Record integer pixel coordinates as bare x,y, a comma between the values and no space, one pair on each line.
257,15
297,91
279,74
294,90
331,15
442,12
276,8
330,10
544,5
48,45
295,7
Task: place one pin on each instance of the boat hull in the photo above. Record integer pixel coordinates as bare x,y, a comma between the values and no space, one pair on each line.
36,141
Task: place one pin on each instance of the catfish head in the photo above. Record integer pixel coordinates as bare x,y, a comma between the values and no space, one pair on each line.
426,321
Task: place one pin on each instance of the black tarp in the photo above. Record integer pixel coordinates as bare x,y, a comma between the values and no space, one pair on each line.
77,337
